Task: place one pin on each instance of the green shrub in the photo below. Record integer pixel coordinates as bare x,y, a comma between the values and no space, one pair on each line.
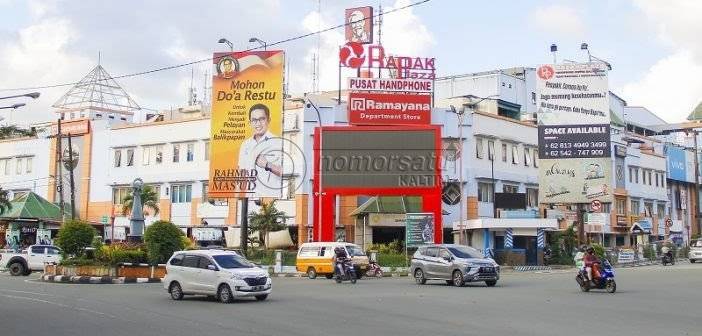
392,260
395,247
162,238
74,237
121,253
80,261
267,257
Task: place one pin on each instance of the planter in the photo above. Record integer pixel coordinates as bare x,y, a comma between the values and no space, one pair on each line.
124,270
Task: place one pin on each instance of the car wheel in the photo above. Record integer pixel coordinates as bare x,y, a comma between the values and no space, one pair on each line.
261,297
379,274
329,276
491,283
458,280
17,269
176,291
692,261
419,277
311,273
224,294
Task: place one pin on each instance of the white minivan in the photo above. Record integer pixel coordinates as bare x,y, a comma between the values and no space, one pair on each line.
219,273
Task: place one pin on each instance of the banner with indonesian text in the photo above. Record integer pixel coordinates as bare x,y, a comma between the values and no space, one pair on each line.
247,103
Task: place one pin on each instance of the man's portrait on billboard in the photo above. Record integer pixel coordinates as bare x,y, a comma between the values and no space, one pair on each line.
262,152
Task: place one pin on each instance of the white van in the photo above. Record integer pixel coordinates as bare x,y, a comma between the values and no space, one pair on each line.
317,258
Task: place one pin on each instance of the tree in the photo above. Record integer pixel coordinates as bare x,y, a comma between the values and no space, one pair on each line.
149,199
266,220
162,238
4,201
74,237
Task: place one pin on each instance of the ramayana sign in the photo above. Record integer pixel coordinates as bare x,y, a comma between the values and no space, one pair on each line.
389,109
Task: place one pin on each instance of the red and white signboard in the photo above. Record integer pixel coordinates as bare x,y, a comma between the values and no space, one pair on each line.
391,85
389,109
357,55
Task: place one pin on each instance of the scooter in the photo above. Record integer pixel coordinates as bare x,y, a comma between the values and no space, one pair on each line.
668,259
345,271
374,270
605,281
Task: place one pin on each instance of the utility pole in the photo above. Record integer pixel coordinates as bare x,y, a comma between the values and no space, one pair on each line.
244,224
72,167
696,207
59,169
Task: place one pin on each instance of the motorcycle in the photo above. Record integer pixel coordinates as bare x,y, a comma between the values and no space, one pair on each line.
668,259
374,270
605,280
345,271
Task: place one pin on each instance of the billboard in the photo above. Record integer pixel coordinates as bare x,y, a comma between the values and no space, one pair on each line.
574,141
575,180
419,229
677,164
380,159
247,106
389,109
359,24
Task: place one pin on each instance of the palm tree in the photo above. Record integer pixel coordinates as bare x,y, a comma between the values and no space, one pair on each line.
4,201
149,199
266,220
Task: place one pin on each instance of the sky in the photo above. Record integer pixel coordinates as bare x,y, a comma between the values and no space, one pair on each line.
652,45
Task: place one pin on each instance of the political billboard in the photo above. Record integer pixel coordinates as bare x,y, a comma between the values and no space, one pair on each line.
247,103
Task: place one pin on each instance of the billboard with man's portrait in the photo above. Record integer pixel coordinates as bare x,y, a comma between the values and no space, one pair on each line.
359,24
245,146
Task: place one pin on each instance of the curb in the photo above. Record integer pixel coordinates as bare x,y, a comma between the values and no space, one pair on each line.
96,280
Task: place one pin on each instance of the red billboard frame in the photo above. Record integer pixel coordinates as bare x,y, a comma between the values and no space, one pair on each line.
324,228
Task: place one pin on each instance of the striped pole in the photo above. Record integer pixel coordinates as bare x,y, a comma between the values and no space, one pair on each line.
509,241
540,238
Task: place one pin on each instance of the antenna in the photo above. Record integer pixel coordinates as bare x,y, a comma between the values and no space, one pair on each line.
99,57
315,57
314,72
191,91
380,31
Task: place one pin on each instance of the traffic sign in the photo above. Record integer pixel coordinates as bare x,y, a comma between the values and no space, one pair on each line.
668,222
105,220
596,205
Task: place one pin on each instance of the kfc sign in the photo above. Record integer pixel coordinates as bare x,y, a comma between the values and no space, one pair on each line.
389,109
355,55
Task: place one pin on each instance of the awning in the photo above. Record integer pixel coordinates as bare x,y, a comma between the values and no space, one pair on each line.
391,205
32,207
506,223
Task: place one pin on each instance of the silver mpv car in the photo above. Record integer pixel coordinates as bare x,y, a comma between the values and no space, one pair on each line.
455,264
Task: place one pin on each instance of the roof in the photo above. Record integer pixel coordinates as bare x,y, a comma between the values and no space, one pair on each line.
97,91
208,252
641,116
33,206
696,113
390,204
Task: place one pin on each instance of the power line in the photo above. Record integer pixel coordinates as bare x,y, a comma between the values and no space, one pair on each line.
294,38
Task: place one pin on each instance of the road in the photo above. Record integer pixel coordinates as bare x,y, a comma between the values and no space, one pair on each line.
649,301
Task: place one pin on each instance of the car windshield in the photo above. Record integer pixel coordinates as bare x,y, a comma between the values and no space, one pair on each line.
232,261
355,251
465,252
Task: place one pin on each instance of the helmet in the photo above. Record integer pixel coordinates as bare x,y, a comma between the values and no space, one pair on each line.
590,249
583,248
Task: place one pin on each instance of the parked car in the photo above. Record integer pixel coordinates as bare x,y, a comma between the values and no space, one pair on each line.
223,274
455,264
31,259
695,253
316,258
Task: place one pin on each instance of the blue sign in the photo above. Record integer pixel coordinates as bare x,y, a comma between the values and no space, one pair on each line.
519,214
677,166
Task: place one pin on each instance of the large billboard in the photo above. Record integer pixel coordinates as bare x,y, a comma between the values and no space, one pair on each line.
247,106
359,24
574,133
379,159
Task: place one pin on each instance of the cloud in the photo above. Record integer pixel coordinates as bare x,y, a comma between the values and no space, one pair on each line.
558,20
671,87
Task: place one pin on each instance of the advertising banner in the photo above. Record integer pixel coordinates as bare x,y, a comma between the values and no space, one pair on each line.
247,106
120,233
575,181
359,24
44,237
391,85
207,234
574,141
572,93
625,256
419,229
389,109
677,165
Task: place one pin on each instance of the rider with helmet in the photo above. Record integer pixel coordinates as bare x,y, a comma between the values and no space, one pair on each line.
340,257
591,262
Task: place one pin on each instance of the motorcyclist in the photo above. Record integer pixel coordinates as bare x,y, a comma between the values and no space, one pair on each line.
667,253
591,262
579,257
340,257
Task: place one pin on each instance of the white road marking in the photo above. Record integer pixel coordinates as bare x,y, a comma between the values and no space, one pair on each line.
25,292
59,305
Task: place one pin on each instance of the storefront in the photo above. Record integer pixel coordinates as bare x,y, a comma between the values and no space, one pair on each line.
30,220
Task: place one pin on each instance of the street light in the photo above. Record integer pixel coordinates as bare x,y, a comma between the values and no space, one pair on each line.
33,95
259,41
554,49
319,185
14,106
584,46
227,42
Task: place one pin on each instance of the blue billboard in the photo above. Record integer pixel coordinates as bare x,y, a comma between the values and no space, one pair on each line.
677,165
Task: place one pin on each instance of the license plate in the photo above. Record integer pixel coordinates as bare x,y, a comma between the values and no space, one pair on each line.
488,269
258,288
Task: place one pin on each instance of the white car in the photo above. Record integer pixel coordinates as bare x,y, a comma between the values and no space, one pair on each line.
31,259
219,273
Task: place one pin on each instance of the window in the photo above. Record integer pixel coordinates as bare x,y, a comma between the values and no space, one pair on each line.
491,150
206,197
176,152
485,192
38,249
631,175
657,179
515,154
621,206
533,97
190,155
52,250
118,194
532,197
204,262
191,261
146,155
289,188
509,189
536,158
181,193
527,156
504,152
636,174
5,166
177,260
648,209
159,154
28,164
635,207
432,252
649,178
207,150
18,167
479,148
130,157
118,157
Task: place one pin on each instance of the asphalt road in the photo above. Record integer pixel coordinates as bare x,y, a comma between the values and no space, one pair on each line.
649,301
